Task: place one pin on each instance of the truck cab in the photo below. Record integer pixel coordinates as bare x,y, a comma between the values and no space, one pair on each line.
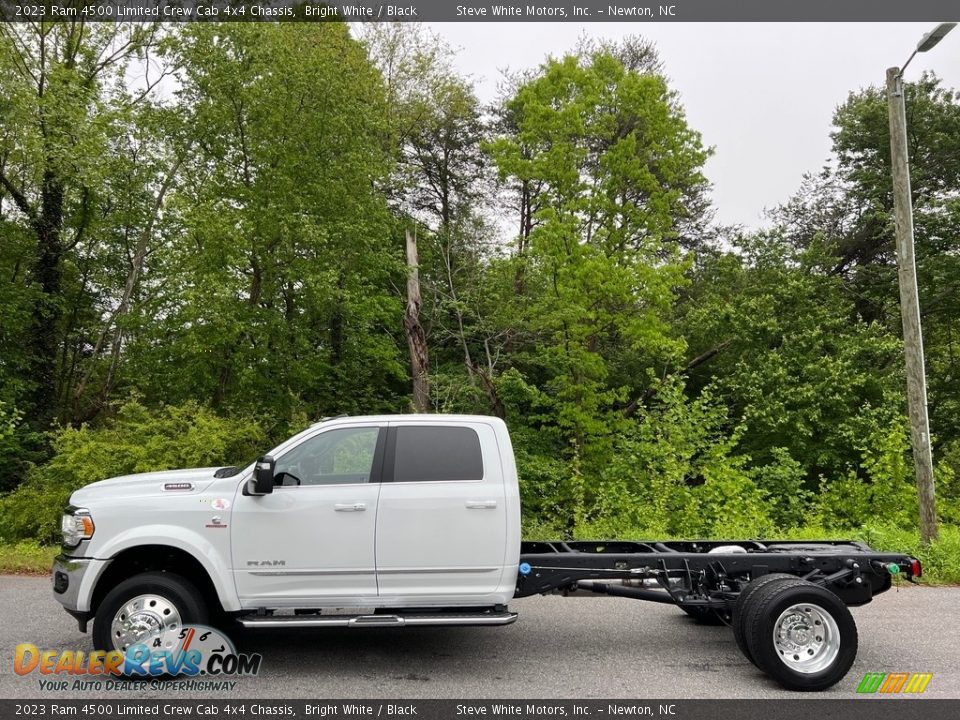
380,514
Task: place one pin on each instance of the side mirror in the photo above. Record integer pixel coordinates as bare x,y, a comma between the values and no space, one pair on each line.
262,481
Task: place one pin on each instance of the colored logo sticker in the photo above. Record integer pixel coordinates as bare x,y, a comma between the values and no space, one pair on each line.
220,504
891,683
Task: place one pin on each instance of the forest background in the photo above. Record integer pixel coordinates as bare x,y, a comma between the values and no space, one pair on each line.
204,247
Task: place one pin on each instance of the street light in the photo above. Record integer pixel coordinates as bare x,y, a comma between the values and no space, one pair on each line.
909,300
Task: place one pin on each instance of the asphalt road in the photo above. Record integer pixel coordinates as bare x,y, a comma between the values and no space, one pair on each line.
581,647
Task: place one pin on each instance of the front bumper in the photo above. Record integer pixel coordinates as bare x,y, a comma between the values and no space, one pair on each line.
73,582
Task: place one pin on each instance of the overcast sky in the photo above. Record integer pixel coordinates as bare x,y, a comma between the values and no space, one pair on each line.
761,94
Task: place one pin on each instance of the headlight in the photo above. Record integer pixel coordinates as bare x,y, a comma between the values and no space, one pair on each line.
76,525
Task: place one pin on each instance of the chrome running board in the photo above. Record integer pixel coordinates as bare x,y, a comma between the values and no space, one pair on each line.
413,619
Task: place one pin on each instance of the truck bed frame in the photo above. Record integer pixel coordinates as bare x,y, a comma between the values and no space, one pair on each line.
786,602
706,575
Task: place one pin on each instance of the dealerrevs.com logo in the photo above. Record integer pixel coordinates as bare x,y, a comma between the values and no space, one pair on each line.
188,651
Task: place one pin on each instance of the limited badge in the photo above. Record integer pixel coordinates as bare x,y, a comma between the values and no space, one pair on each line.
178,486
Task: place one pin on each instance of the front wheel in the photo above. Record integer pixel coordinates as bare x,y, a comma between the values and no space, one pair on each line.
800,634
143,606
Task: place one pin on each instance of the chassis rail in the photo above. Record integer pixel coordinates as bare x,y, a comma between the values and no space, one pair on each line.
705,574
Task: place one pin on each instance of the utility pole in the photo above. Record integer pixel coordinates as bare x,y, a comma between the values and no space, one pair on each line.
910,308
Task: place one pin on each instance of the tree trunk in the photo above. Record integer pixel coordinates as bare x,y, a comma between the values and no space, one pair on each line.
45,323
126,299
416,337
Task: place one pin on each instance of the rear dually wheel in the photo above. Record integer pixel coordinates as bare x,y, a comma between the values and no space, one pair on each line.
800,634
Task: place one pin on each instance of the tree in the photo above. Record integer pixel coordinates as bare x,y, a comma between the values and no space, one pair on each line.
442,182
799,368
614,164
275,290
416,337
63,91
846,211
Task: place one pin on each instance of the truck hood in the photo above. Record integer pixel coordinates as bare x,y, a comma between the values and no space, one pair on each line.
162,483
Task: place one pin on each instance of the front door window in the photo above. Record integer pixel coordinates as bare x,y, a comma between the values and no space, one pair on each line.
336,457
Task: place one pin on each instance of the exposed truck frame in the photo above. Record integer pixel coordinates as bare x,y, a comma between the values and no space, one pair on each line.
704,575
785,601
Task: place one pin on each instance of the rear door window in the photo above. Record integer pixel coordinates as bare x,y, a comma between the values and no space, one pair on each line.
437,453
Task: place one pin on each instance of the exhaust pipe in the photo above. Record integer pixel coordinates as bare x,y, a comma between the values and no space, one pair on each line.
634,593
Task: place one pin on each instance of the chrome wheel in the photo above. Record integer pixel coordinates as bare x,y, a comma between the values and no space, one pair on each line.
806,638
143,617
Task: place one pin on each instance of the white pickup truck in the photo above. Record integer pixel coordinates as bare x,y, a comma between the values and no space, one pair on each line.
415,520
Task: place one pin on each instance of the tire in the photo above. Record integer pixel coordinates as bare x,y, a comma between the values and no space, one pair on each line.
167,600
800,634
739,608
707,616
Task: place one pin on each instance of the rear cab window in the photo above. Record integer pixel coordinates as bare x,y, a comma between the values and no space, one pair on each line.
437,453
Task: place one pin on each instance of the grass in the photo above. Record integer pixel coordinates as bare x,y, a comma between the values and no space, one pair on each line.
27,558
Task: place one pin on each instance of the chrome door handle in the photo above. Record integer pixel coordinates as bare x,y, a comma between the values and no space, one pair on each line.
481,504
350,507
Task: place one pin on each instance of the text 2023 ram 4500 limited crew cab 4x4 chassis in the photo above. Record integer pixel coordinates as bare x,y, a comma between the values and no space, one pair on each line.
415,520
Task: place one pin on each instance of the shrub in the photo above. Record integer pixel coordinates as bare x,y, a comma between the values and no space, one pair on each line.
883,489
136,439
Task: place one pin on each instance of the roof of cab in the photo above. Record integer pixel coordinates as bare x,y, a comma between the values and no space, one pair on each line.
429,417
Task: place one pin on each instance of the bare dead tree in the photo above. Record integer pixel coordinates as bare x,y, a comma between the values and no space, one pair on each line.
416,337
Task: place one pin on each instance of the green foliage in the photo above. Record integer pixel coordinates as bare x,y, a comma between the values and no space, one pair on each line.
783,481
277,288
947,474
136,439
19,445
613,159
845,215
8,421
677,474
811,382
234,250
76,134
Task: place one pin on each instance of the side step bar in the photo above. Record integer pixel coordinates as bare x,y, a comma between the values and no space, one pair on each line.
416,619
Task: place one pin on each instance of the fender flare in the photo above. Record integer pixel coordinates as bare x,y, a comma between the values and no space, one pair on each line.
214,564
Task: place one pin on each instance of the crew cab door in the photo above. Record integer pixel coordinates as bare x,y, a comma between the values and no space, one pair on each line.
312,538
441,521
